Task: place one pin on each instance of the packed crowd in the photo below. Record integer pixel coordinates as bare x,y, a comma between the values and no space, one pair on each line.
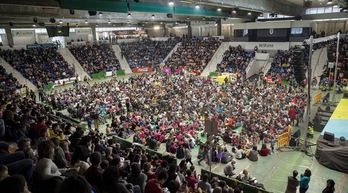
95,58
39,65
281,67
193,55
147,53
235,59
8,83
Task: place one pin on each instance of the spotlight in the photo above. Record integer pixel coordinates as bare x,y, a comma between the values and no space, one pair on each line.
171,3
109,22
152,16
100,14
34,25
219,9
188,18
234,11
329,2
197,6
60,21
249,13
146,22
86,21
96,25
129,15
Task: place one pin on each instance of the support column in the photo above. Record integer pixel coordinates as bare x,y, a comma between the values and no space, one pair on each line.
189,30
94,34
9,36
219,27
165,30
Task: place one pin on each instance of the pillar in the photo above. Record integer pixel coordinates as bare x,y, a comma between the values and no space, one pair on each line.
9,36
219,27
94,34
189,30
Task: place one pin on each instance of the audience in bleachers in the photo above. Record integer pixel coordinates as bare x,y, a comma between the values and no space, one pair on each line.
147,53
95,58
8,83
281,68
193,55
39,65
235,59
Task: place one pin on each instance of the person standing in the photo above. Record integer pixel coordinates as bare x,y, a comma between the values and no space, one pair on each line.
330,186
292,183
304,180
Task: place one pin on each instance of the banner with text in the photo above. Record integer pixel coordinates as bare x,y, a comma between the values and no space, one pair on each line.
136,70
82,31
267,45
23,32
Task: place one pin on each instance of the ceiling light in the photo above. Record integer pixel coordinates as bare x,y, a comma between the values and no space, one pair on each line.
203,18
97,25
171,3
161,22
129,15
34,25
109,22
152,16
219,9
127,21
60,21
86,21
329,2
146,22
335,6
234,11
249,13
188,17
197,6
100,13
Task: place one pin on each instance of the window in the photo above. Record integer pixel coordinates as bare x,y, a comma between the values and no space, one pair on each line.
296,30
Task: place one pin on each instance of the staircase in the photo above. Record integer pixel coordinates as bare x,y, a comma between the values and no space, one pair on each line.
17,75
68,57
319,59
216,59
123,62
172,51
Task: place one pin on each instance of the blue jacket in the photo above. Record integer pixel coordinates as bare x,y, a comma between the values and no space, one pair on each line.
304,181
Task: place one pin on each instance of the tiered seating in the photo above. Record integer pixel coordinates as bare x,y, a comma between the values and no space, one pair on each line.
147,53
8,83
235,59
281,67
39,65
95,58
193,54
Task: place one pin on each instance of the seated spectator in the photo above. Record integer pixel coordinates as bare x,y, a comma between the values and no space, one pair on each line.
155,185
136,177
111,182
45,167
94,172
226,157
229,168
235,59
75,184
204,184
16,162
240,153
3,172
253,154
14,184
264,151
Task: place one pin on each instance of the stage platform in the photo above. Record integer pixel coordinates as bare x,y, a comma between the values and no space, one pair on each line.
334,154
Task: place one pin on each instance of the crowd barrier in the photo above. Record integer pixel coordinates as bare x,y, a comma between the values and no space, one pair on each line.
233,182
107,74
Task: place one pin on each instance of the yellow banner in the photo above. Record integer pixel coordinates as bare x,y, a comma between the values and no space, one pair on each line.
317,98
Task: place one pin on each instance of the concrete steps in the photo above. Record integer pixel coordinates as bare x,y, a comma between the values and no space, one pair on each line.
123,62
68,57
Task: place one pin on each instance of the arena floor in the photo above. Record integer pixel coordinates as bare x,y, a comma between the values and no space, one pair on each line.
273,170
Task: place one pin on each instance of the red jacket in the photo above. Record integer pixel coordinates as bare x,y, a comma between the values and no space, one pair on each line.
264,151
153,186
292,113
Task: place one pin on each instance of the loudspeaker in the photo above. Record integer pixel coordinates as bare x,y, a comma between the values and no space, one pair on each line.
92,13
345,95
169,15
297,134
52,20
329,136
292,142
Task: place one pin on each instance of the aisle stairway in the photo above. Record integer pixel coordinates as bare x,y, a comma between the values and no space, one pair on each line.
319,60
173,51
17,75
123,62
68,57
216,59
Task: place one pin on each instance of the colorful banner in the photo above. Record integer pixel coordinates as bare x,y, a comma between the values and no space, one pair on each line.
136,70
29,46
166,70
317,98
